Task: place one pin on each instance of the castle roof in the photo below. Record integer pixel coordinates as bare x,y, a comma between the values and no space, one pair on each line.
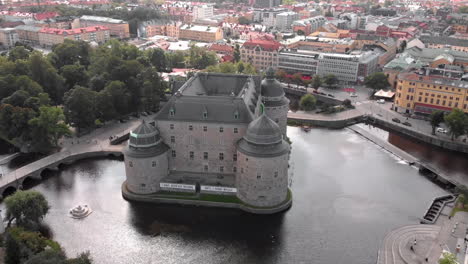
263,138
270,86
144,136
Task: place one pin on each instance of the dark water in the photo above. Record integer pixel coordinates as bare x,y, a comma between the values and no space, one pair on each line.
347,194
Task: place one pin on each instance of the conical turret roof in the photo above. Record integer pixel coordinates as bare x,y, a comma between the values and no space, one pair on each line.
144,135
270,87
263,131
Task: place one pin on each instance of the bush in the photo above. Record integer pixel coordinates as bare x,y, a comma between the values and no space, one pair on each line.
308,102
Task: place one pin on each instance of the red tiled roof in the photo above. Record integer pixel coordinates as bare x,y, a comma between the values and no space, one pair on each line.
265,43
221,48
75,31
44,16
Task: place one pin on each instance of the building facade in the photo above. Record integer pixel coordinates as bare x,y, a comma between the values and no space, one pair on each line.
118,28
261,53
52,36
421,94
217,134
309,25
284,20
200,33
8,37
298,61
202,12
348,68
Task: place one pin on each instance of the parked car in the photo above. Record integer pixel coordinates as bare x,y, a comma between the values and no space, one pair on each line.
353,95
407,123
441,130
381,101
396,120
331,95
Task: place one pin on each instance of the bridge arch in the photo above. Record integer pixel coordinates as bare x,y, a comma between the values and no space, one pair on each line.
28,182
8,191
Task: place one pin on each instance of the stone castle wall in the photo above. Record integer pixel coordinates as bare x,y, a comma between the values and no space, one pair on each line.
144,174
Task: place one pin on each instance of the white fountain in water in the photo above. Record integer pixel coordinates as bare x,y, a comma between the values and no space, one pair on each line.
80,211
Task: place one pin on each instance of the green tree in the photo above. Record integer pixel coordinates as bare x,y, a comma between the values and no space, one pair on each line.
317,82
308,102
83,258
26,207
46,75
48,256
330,80
377,81
236,54
74,75
347,103
49,126
119,96
456,121
297,78
80,107
18,53
403,46
436,118
70,52
448,258
158,59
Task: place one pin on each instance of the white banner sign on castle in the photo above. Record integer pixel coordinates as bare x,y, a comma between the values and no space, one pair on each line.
218,189
177,186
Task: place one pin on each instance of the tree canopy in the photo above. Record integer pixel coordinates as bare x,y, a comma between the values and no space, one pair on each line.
26,207
308,102
436,118
456,121
377,81
330,80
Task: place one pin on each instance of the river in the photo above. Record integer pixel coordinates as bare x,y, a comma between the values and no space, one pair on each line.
348,193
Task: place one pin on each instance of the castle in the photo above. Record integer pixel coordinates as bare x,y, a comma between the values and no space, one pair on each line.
219,134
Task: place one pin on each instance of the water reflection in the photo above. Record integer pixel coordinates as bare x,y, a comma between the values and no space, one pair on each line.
347,193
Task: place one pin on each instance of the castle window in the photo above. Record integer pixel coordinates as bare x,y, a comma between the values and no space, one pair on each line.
130,164
221,169
205,168
171,126
236,130
276,174
153,164
171,112
234,169
172,139
205,115
205,128
242,170
236,115
221,156
221,129
143,185
205,155
234,157
190,127
191,154
259,176
173,154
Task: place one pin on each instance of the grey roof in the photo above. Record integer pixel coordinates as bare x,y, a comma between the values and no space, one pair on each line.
428,55
103,19
215,84
263,138
144,136
445,41
270,87
28,28
262,131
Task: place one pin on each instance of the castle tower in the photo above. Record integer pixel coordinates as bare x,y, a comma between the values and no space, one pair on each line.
263,161
274,99
146,160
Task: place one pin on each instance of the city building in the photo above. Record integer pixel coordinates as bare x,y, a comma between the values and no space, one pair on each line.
262,53
309,25
8,37
322,44
202,12
435,57
28,34
284,20
52,36
219,134
200,33
348,68
298,61
163,28
444,42
400,64
421,93
266,3
267,17
118,28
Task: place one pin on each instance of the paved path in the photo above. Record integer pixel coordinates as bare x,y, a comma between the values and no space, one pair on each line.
96,143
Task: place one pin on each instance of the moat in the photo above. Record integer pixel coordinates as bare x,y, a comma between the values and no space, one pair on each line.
348,194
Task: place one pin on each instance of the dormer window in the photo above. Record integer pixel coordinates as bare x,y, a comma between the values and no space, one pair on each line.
236,115
205,115
171,112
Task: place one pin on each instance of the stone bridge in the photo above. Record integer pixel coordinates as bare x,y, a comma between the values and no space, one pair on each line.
15,180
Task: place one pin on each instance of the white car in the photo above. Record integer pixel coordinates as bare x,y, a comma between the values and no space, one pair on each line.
381,101
353,95
441,130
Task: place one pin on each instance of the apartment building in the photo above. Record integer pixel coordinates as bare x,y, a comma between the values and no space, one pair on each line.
444,42
170,29
118,28
202,12
298,61
267,17
200,33
324,44
348,68
308,25
261,53
284,20
28,34
52,36
422,94
8,37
